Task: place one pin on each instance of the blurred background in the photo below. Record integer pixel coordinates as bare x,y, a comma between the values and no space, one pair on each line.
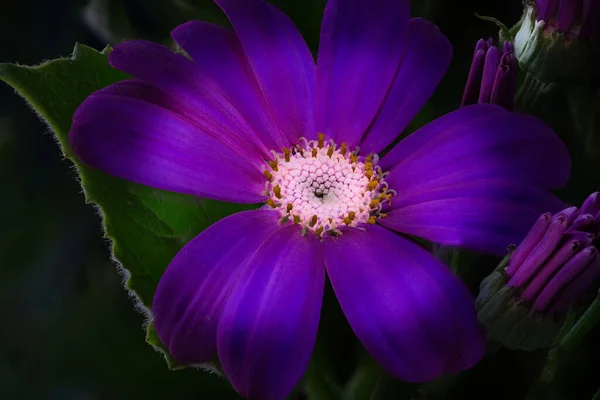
68,329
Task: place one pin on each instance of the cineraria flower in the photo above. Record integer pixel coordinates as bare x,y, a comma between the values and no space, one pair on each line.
249,118
553,267
493,76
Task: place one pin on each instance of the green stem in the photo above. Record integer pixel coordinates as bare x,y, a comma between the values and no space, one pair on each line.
559,353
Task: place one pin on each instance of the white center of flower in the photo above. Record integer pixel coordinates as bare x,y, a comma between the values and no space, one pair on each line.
323,187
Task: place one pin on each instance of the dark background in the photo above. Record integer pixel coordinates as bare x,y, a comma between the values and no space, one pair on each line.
67,327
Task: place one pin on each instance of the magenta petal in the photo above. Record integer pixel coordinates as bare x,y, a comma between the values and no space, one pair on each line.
193,290
359,52
148,144
479,214
481,141
414,317
269,325
425,59
281,61
181,78
219,56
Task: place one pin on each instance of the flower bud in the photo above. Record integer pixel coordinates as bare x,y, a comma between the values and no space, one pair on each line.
557,41
523,302
493,75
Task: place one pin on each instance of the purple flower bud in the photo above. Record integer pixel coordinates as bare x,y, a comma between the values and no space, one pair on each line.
493,75
548,265
573,18
522,302
556,41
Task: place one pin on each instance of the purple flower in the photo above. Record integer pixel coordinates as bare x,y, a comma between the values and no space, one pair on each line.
558,260
573,18
493,76
250,118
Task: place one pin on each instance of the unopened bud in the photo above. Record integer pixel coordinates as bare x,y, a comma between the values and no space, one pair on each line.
557,41
523,302
493,75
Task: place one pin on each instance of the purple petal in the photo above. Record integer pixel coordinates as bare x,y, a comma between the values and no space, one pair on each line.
479,214
359,52
414,317
426,58
148,144
181,78
269,325
541,252
577,287
479,141
281,61
505,82
546,9
563,254
473,85
564,276
137,89
567,15
193,290
219,55
591,205
536,233
492,59
583,223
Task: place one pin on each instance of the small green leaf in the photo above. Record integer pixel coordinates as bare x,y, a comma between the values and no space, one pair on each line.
147,226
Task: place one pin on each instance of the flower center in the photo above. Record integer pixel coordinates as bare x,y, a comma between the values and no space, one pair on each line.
322,187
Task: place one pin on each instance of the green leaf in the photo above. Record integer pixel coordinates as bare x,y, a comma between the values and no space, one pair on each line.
147,226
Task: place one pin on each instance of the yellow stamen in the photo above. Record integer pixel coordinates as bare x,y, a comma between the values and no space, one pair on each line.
286,154
385,197
271,203
289,207
353,158
273,165
319,231
374,203
330,151
372,219
296,219
268,175
314,153
348,220
344,148
321,140
277,191
373,184
312,221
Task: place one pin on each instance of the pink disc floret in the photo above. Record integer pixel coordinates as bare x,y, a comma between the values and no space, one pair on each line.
322,186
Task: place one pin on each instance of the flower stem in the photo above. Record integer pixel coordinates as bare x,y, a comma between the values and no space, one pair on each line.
559,353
